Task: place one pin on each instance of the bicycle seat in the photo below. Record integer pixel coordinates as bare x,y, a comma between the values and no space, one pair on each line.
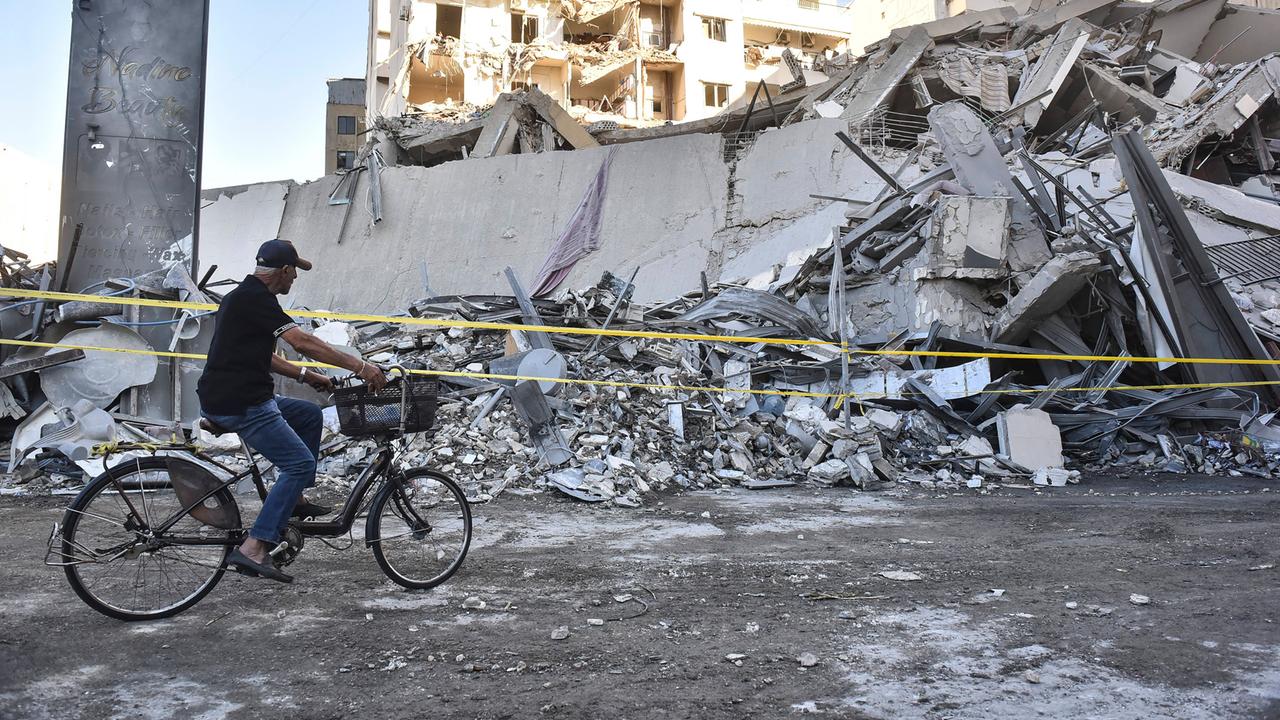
212,428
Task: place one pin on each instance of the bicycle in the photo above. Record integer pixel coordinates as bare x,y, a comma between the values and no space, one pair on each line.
149,538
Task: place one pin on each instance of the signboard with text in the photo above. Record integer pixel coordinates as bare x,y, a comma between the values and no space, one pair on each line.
131,160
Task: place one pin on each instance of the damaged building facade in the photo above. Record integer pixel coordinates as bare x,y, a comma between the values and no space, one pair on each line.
634,62
1047,237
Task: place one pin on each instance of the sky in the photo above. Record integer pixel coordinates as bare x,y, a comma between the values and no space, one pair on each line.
265,93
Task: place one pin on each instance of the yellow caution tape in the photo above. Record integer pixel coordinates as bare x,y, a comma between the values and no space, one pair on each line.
126,351
643,334
426,322
1080,358
841,397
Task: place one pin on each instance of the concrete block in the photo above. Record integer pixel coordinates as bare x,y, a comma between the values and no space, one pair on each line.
1029,438
970,232
861,470
831,472
886,421
981,169
1056,477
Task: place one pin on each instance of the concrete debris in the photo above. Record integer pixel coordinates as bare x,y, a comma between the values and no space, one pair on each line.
1029,438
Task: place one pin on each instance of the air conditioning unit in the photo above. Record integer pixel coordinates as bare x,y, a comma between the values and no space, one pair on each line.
519,5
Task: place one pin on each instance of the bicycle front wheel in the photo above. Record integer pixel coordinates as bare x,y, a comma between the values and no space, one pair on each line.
117,559
419,528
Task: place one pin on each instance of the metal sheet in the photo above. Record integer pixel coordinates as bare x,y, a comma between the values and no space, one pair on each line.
950,383
1210,324
131,159
101,375
755,304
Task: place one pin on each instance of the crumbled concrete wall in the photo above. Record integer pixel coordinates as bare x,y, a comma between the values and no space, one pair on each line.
1183,30
970,232
777,221
235,222
666,211
1263,27
776,176
464,222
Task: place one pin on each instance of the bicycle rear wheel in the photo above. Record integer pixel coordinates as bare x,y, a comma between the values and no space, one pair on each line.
119,565
419,528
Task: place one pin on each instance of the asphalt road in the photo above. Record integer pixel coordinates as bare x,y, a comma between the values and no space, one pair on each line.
1022,609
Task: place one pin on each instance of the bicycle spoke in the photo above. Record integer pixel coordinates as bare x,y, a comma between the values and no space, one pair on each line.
99,517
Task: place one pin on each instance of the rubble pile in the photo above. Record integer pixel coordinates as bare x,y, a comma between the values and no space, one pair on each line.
1064,183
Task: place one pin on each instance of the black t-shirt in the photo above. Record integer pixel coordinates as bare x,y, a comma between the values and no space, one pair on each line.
238,371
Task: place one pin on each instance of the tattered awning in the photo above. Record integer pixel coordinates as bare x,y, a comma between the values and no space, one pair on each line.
986,82
797,27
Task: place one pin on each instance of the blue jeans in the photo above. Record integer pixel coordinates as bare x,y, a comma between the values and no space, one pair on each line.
286,432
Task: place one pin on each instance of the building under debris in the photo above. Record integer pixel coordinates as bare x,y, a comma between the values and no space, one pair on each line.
1019,221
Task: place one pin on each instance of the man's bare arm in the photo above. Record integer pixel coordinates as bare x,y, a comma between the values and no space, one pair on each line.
321,351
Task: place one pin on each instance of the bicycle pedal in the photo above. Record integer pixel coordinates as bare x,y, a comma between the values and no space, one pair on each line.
283,546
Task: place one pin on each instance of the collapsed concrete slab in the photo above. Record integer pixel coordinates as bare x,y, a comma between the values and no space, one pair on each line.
1050,70
234,221
882,82
440,232
1225,112
981,169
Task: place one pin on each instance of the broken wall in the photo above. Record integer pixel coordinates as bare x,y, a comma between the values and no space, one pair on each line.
775,216
1183,30
1260,29
234,222
462,223
666,209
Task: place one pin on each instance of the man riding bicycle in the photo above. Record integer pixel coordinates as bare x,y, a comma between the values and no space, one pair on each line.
237,395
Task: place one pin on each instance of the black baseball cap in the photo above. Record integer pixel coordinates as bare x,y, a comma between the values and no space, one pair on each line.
278,253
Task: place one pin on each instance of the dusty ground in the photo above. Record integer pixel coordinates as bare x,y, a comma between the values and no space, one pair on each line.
728,572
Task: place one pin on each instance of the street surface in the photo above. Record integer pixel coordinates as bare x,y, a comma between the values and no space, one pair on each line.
759,605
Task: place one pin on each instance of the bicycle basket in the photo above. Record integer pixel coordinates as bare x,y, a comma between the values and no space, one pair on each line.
364,412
